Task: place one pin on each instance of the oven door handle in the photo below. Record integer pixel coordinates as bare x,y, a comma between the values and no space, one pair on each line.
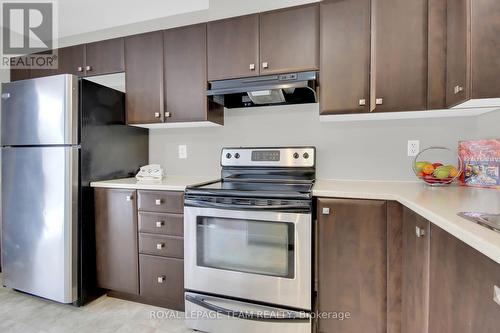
244,315
207,204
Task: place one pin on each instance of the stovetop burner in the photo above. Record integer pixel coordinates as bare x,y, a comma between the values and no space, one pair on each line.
262,173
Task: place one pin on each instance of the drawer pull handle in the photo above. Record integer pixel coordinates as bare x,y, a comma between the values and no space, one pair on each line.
159,224
326,211
419,232
161,279
160,246
128,198
158,202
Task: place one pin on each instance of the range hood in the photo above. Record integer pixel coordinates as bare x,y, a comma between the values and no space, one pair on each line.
292,88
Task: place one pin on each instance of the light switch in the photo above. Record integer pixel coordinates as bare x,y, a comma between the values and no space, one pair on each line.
183,151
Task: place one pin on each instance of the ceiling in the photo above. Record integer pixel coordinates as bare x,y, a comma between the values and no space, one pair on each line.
83,16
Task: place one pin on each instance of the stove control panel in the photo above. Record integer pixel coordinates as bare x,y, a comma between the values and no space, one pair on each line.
290,157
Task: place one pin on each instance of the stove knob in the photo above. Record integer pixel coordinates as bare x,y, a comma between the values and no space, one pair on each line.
228,155
306,155
236,155
295,155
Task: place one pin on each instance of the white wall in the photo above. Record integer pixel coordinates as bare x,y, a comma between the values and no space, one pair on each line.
357,150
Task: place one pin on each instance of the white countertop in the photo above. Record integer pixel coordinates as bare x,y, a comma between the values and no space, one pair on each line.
439,205
170,183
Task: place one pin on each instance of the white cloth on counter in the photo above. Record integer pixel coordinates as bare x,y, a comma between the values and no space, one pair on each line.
150,172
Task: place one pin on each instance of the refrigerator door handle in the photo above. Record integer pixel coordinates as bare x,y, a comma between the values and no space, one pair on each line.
279,317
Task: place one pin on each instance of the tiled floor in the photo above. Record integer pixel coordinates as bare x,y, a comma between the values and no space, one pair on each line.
26,314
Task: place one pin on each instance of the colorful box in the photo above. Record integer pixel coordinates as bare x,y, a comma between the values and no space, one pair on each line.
481,163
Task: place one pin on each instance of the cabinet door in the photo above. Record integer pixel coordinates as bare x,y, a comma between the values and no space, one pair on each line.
352,263
144,78
462,283
17,74
457,56
233,48
485,48
415,277
117,254
186,75
345,56
105,57
71,60
289,40
399,63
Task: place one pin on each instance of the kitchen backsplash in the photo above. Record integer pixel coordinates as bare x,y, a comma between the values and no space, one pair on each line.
369,150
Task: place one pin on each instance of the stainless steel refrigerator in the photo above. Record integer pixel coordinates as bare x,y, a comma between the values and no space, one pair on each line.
58,134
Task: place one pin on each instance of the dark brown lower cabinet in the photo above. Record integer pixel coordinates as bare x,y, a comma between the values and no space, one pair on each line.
352,263
163,278
415,273
462,283
117,254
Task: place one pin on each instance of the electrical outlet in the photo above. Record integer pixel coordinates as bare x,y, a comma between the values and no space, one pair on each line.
413,147
183,152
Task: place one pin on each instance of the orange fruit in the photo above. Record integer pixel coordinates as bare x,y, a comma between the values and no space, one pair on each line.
453,172
428,169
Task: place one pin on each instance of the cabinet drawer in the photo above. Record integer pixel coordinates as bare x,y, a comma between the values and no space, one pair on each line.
158,223
162,278
159,245
161,201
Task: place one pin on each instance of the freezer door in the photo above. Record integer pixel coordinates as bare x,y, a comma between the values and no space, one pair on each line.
41,111
40,216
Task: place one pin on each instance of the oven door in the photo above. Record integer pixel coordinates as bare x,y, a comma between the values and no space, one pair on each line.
257,255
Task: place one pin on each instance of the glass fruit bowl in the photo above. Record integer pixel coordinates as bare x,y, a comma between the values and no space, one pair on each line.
437,166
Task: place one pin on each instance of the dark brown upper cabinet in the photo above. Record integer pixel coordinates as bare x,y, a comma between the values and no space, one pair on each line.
144,80
105,57
233,48
71,60
352,264
462,286
415,273
117,254
345,56
17,73
289,40
185,66
399,55
473,38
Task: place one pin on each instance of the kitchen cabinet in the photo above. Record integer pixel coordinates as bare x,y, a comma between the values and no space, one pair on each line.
17,74
462,284
289,40
233,47
352,263
144,78
473,39
105,57
185,67
117,254
415,273
71,60
345,56
399,55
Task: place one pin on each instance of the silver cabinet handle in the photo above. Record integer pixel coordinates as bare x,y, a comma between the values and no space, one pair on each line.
157,114
79,69
362,102
419,232
160,246
159,224
379,101
158,202
265,64
252,67
129,198
88,68
161,278
168,115
458,89
496,295
326,211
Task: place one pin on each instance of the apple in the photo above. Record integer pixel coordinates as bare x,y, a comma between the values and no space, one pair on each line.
419,166
437,165
441,172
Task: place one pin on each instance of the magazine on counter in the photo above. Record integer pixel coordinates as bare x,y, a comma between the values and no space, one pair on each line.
481,163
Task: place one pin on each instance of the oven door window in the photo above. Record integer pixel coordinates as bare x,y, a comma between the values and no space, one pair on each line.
249,246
